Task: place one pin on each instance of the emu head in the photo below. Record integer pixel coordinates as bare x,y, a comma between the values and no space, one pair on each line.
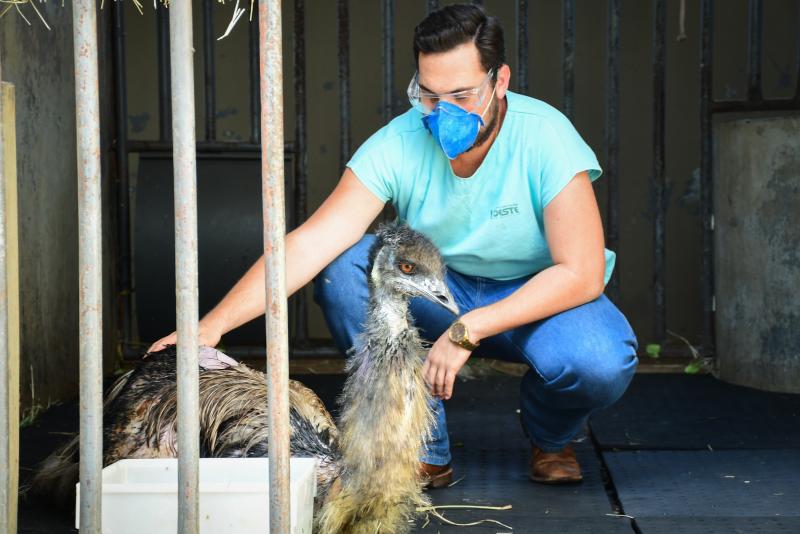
406,264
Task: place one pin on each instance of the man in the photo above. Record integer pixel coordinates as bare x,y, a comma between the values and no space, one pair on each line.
502,185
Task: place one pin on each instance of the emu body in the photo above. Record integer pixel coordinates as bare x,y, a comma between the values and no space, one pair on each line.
368,478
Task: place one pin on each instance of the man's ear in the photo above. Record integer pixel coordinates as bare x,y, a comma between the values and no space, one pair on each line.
503,81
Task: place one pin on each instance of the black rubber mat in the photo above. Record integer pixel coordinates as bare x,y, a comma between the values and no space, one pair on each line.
719,525
676,411
490,459
726,484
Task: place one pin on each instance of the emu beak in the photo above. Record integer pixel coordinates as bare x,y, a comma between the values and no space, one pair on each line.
437,291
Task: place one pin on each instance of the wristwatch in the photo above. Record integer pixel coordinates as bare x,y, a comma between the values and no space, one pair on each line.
459,335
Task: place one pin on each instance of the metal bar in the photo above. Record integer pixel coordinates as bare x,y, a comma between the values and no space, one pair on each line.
301,155
778,104
186,291
90,263
274,219
125,294
255,102
164,104
797,51
135,145
612,140
658,179
8,514
433,5
755,26
706,199
344,83
522,46
388,59
568,16
209,73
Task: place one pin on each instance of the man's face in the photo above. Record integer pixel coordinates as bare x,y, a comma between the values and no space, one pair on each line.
459,69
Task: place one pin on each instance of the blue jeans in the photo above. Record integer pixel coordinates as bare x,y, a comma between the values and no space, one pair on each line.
580,360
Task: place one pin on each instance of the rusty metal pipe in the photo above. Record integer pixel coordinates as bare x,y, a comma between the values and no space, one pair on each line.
90,262
274,219
186,292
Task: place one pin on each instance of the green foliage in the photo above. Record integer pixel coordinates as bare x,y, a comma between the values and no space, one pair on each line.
653,350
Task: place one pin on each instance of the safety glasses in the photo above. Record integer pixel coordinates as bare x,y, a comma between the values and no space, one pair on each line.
468,99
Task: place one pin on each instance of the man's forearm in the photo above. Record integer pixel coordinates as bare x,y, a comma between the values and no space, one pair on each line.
552,291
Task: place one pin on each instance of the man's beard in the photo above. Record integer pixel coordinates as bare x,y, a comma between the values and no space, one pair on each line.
486,132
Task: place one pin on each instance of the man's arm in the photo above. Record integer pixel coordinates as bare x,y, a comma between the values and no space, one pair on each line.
575,237
335,226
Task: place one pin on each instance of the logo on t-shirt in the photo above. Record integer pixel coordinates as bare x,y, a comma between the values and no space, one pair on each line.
505,211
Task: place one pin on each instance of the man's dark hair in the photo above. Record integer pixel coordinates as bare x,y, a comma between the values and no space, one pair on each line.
454,25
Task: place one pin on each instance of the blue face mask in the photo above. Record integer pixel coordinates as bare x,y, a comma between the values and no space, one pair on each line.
454,128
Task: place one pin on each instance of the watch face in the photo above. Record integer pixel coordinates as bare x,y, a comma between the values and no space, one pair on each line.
458,331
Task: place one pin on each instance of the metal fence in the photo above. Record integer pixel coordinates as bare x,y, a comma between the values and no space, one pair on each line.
296,151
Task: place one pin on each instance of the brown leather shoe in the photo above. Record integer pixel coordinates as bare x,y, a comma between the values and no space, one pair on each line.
555,467
435,476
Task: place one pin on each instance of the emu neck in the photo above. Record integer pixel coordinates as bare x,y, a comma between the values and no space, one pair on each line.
387,316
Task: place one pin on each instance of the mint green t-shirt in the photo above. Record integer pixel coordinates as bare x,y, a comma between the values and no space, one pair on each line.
492,223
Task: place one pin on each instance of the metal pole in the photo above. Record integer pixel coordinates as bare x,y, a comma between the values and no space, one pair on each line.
184,164
164,108
90,262
706,169
209,73
301,153
388,59
344,83
123,181
658,179
522,46
274,219
568,20
612,139
755,27
7,515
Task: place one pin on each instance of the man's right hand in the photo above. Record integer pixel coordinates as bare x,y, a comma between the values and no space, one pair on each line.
208,335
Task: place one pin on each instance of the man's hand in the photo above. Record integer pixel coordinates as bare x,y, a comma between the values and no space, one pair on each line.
208,334
444,361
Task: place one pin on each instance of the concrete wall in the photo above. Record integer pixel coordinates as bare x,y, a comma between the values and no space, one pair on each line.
40,65
757,252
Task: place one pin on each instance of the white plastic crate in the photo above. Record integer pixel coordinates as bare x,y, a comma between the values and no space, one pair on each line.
142,496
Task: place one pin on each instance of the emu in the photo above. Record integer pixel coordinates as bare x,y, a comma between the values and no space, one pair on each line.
368,477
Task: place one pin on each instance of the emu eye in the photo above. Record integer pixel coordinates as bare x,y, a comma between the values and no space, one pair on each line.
407,268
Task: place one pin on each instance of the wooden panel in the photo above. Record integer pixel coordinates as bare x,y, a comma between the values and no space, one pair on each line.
12,273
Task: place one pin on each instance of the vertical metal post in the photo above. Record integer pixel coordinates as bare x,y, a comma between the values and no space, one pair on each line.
612,139
274,218
90,262
186,292
706,198
255,102
300,151
209,70
568,16
344,82
123,193
388,59
7,515
164,107
658,180
522,46
755,27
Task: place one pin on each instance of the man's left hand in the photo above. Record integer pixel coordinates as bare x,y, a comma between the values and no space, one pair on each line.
444,361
